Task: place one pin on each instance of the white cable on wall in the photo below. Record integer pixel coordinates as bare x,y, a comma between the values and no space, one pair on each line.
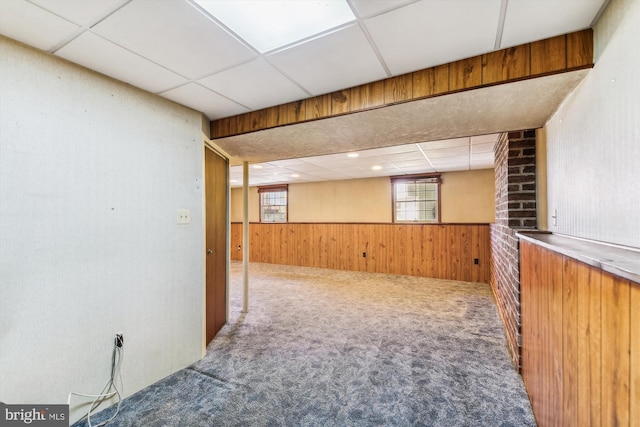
107,393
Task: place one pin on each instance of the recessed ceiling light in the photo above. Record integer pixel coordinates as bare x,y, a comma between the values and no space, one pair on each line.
376,167
269,24
257,166
294,175
353,155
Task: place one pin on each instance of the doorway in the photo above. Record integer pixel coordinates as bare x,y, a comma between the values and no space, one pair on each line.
215,175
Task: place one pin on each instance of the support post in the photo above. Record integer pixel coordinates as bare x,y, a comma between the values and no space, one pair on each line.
245,237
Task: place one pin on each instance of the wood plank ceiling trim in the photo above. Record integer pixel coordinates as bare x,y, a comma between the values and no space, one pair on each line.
555,55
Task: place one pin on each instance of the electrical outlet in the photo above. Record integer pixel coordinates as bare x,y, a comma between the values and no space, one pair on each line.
184,216
119,339
364,254
476,261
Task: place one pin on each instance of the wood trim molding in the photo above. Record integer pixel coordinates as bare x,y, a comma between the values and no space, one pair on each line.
556,55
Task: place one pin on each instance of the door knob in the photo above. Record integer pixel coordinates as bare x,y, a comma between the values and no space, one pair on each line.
209,252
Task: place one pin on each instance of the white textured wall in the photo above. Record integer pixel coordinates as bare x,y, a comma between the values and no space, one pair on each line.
92,173
593,140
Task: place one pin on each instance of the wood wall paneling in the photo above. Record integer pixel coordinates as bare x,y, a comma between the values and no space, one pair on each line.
570,344
465,74
296,111
277,116
589,344
427,250
579,353
340,102
506,64
634,356
615,351
548,55
397,89
367,96
555,275
318,107
579,48
431,81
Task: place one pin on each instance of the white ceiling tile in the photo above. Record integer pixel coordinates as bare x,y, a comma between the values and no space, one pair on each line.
268,25
482,157
255,84
482,148
368,8
202,99
483,139
447,152
176,36
18,19
453,167
338,60
421,162
434,32
80,12
101,55
445,143
527,20
459,160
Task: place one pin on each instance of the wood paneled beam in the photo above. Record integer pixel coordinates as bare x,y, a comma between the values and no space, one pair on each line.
556,55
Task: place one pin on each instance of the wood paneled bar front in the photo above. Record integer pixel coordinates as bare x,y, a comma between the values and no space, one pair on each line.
559,54
445,251
580,331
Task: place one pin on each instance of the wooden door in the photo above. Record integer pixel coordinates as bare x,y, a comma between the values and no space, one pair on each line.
216,242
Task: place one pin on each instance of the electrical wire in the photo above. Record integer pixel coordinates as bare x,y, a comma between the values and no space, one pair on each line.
106,393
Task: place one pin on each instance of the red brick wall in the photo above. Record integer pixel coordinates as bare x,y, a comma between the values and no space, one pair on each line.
515,175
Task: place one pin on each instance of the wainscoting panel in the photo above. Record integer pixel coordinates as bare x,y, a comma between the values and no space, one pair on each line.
445,251
579,354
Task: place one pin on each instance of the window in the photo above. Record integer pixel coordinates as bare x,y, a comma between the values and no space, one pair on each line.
416,198
273,203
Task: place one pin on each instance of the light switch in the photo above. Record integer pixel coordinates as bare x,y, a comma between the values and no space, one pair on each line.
184,216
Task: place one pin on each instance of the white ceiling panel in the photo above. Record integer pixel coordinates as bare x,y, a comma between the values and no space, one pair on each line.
434,32
119,63
204,100
338,60
175,35
483,139
524,23
369,8
444,143
255,84
32,25
80,12
447,152
482,148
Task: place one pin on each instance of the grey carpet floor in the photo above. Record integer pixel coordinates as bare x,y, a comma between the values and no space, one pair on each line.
334,348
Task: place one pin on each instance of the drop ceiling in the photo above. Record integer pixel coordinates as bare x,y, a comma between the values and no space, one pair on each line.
179,50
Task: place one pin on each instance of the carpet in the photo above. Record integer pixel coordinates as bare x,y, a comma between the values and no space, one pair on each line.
335,348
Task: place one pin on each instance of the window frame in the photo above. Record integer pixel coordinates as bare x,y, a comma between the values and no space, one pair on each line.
429,178
276,188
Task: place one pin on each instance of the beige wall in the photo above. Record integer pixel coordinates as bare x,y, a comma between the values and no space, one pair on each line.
467,196
541,179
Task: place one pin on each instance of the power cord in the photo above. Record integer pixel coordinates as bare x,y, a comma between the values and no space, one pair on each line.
106,393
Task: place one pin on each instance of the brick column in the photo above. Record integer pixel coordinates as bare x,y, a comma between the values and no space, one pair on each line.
515,177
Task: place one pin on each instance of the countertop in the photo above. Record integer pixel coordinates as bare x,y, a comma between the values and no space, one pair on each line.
617,260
